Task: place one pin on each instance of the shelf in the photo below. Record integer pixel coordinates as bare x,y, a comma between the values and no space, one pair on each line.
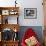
9,10
9,22
10,26
4,8
9,19
6,12
11,41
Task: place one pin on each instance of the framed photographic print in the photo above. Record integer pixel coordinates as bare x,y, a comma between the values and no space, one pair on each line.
30,13
5,12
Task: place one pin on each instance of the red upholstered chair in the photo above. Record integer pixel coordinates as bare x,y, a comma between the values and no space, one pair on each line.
29,33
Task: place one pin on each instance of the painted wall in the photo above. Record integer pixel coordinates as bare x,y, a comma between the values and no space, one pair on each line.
27,22
27,4
36,29
31,4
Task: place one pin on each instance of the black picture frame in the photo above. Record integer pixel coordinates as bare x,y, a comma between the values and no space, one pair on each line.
30,13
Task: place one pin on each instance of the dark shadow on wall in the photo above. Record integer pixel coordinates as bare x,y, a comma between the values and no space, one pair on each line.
37,29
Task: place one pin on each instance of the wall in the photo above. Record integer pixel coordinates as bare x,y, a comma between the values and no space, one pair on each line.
28,22
37,29
31,4
27,4
44,21
44,12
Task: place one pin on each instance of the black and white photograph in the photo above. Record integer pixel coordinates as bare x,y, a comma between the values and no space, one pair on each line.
30,13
